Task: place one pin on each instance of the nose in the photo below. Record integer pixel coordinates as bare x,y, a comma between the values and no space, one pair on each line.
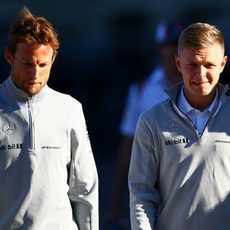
34,71
201,71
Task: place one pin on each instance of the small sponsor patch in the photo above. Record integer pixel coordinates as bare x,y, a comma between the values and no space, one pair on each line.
50,147
9,147
177,141
172,125
8,127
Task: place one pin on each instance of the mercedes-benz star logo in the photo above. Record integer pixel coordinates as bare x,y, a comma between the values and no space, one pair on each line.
172,125
9,128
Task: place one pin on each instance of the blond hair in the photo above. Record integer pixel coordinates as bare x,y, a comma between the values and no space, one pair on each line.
200,35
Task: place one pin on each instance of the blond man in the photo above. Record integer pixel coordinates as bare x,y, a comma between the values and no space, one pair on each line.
179,171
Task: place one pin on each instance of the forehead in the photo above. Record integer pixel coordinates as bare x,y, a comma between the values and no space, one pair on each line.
30,49
211,52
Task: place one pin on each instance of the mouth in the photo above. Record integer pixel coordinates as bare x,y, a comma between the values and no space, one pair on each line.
33,83
200,83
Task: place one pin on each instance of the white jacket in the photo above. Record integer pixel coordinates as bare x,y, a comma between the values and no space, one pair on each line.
48,177
179,180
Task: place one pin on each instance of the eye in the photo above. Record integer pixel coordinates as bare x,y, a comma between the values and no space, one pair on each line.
28,63
192,64
209,65
42,65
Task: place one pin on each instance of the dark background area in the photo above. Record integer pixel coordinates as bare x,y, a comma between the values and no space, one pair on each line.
106,45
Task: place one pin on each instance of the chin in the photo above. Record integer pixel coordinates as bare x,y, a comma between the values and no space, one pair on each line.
205,93
32,92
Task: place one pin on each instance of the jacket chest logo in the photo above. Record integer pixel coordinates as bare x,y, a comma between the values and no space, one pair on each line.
177,141
8,127
172,125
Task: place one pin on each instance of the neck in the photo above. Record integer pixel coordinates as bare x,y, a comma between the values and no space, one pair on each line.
203,102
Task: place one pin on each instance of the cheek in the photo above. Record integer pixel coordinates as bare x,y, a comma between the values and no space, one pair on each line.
185,78
186,72
21,72
213,75
44,72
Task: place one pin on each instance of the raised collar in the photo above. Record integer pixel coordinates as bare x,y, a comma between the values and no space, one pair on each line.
185,107
19,95
174,91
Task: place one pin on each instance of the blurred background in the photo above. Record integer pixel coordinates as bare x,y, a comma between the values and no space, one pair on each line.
105,46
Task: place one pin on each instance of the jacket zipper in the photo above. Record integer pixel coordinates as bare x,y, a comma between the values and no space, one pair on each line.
31,124
186,119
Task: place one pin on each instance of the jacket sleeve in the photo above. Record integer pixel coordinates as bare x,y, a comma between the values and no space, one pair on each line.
144,196
83,178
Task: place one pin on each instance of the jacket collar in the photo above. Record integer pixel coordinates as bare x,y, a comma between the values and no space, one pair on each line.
174,91
19,95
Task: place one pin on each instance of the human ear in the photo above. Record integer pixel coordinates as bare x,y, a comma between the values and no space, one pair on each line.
8,55
177,61
54,56
224,61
